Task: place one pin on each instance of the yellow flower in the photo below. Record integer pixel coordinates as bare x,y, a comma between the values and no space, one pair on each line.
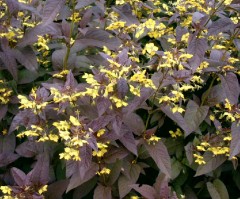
199,159
6,189
43,189
150,48
104,171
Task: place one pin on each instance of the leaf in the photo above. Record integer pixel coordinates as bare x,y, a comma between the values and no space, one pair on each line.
212,162
128,141
56,189
131,172
40,172
7,143
79,178
122,88
212,191
145,190
27,58
51,9
84,189
12,6
102,192
221,189
194,115
6,158
3,111
125,13
235,142
82,4
26,76
9,62
223,24
161,157
96,38
31,36
18,176
134,123
29,149
115,172
114,154
176,117
197,47
231,87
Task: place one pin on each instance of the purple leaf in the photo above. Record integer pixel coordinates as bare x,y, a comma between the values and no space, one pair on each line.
56,189
122,88
134,122
194,115
176,117
51,9
27,58
114,154
231,87
103,105
145,190
125,13
98,38
9,62
82,4
3,111
128,141
77,179
19,176
160,155
6,158
131,172
102,192
29,149
40,172
235,142
100,122
115,172
223,24
84,189
212,162
12,6
197,47
7,143
32,35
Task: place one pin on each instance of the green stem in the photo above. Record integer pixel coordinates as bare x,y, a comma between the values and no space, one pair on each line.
69,45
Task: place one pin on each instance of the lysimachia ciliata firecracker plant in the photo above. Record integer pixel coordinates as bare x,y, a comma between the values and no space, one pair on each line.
119,99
